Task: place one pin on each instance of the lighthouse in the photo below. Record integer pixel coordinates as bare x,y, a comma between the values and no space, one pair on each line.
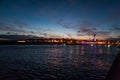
94,37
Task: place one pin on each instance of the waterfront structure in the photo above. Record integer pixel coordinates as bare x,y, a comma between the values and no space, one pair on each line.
94,36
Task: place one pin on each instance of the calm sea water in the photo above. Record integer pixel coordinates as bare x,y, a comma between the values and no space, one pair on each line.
55,62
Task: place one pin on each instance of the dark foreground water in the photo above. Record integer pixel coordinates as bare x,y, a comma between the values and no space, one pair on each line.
55,62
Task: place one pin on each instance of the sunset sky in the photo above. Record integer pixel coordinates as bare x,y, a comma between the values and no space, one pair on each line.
79,19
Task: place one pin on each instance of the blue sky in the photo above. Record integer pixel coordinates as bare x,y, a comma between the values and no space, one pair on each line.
78,19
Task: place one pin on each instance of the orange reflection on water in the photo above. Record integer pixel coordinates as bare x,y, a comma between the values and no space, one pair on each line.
74,56
54,56
77,50
100,64
100,51
56,62
82,50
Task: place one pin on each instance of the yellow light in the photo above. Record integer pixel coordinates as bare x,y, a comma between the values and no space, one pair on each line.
21,41
100,42
91,45
108,46
61,40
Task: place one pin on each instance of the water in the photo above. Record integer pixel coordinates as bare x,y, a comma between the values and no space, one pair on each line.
55,62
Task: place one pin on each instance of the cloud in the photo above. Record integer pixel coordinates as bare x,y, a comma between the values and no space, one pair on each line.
115,39
19,28
65,24
80,34
114,16
14,25
87,28
32,32
118,36
11,33
16,37
6,26
8,33
9,27
77,25
84,24
54,36
116,27
21,24
91,31
103,33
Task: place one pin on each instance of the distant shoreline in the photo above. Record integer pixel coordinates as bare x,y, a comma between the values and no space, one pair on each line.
58,41
51,44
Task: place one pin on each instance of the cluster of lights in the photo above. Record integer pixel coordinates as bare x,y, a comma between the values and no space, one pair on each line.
68,41
21,41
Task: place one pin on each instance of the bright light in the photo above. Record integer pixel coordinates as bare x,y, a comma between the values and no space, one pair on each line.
21,41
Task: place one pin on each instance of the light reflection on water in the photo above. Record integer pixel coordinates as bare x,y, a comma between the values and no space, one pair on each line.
55,62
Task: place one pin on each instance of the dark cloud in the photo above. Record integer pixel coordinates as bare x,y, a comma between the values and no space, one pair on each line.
6,26
19,28
84,31
54,36
16,37
113,16
21,24
80,34
116,27
9,27
14,25
8,33
91,31
118,36
46,29
32,32
86,28
114,39
69,35
84,24
103,33
11,33
64,24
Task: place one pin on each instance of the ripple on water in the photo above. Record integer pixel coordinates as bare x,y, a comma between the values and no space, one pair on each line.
54,62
